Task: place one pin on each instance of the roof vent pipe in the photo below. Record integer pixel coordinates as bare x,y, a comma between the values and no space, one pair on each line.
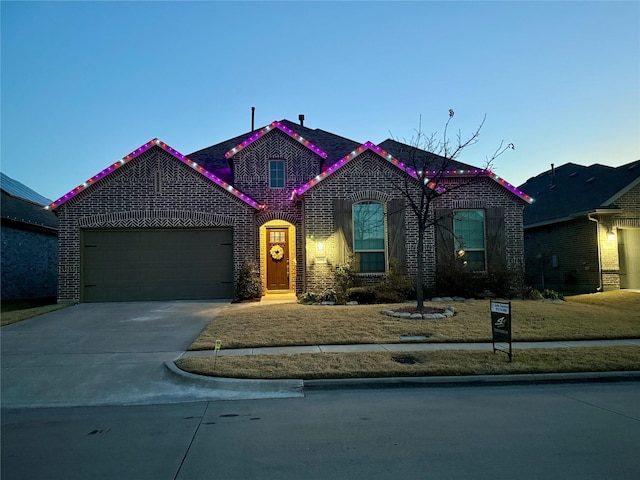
553,174
253,118
301,118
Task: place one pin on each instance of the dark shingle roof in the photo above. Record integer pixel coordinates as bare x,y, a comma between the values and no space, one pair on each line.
17,189
336,147
18,210
213,158
572,189
21,204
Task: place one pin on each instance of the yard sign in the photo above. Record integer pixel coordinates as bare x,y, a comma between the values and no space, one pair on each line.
501,325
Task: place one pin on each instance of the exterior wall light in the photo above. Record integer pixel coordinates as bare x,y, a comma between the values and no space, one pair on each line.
320,246
610,235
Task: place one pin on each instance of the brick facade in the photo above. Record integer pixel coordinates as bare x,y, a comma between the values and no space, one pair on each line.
563,256
369,177
153,191
29,259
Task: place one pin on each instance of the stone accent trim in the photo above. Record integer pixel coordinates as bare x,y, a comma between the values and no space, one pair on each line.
156,219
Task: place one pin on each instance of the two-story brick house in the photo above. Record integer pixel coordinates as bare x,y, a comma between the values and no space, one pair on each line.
298,201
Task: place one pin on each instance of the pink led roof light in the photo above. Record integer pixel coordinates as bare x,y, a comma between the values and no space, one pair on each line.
391,159
248,141
155,142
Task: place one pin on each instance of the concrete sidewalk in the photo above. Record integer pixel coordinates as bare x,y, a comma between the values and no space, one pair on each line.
407,347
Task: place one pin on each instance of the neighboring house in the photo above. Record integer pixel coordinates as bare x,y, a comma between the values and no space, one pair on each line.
29,244
583,232
297,201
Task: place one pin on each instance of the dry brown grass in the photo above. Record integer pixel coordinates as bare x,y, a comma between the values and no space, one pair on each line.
14,316
449,362
595,316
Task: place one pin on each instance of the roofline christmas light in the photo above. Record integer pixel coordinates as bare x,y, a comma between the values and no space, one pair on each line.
155,142
268,128
390,158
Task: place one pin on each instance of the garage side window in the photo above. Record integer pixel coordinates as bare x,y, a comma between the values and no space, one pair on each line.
468,231
276,173
369,237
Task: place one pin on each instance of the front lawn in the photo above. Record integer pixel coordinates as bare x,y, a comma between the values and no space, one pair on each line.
583,317
598,316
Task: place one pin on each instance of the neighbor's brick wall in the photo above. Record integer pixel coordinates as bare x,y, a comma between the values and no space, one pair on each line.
155,190
574,246
368,176
28,265
630,202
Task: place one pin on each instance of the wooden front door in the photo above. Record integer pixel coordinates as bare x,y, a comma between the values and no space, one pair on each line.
277,259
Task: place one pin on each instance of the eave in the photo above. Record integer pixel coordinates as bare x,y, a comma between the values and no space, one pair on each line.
477,172
154,143
275,124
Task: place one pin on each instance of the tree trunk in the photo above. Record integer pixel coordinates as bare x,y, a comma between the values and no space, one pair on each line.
419,287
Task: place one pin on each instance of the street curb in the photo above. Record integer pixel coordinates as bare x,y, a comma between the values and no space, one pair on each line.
470,380
289,387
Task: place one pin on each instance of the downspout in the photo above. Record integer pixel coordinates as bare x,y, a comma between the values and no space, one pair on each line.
600,287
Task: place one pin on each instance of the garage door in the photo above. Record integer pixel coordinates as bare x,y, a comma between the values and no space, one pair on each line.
145,264
629,255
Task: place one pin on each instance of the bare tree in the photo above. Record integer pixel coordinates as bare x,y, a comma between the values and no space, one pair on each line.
428,161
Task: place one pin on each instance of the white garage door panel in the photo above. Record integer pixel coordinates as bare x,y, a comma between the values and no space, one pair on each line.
629,255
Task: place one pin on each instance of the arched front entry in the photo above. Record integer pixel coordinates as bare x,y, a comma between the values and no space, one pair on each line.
278,256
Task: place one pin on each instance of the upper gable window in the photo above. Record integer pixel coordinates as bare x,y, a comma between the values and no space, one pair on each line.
276,173
368,237
468,230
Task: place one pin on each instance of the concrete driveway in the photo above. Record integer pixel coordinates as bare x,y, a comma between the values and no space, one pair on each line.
108,354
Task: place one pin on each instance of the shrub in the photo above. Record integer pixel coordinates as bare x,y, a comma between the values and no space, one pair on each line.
345,277
395,284
531,293
457,282
504,283
552,294
249,284
361,295
387,294
329,295
308,298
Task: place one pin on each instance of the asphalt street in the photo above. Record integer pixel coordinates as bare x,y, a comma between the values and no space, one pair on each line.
578,431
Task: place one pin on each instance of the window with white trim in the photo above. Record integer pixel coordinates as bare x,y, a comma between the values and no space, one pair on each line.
369,237
276,173
469,238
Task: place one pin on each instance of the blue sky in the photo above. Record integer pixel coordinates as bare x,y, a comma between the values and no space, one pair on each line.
85,83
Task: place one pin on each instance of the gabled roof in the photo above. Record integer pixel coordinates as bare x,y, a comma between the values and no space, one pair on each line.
571,190
328,146
423,157
155,143
17,189
453,168
21,204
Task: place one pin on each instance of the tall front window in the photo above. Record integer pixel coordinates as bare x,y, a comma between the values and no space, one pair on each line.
276,173
468,230
368,237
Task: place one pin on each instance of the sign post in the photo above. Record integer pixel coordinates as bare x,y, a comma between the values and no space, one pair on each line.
501,325
218,345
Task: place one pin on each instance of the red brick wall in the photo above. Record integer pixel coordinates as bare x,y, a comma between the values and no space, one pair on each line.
369,176
564,254
154,190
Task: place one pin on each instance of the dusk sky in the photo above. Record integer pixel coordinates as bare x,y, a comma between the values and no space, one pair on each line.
85,83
